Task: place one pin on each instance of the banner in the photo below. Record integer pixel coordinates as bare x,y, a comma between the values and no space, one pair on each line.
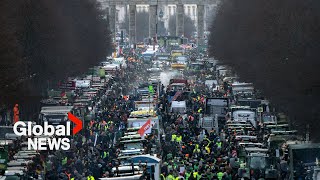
151,90
144,128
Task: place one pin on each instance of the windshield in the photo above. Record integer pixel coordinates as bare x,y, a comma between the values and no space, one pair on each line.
177,88
268,118
55,118
258,162
209,65
197,66
251,103
180,110
162,57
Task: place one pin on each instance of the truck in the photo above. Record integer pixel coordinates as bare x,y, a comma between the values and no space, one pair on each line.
302,160
258,166
244,114
242,88
55,115
178,107
179,62
148,56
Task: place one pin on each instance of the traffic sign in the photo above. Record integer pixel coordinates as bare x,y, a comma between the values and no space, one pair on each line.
260,109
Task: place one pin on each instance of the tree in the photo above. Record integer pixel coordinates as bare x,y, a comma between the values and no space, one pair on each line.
47,41
274,44
189,26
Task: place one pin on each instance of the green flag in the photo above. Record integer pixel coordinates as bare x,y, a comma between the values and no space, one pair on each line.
151,91
64,161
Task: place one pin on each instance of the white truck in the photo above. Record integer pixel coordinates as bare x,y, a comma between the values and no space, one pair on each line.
55,115
241,114
178,107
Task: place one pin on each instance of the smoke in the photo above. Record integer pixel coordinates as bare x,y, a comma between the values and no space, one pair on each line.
274,44
165,76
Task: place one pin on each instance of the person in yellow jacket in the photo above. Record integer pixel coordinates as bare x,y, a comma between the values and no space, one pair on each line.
196,175
178,138
173,137
162,176
196,149
170,177
207,148
90,177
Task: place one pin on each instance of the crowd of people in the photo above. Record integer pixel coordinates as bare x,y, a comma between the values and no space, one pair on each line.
187,151
94,151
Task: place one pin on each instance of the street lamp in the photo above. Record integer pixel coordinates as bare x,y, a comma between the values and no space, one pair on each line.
161,21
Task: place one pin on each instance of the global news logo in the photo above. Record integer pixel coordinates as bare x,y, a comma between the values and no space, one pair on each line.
48,136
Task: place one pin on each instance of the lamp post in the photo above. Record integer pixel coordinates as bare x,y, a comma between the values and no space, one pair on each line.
156,35
161,20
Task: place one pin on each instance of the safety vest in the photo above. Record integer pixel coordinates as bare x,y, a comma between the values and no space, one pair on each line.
162,177
242,165
220,175
196,175
170,177
90,178
105,154
208,149
196,149
72,178
179,139
187,175
219,144
64,161
173,137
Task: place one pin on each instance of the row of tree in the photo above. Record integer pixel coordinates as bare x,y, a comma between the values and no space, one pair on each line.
142,26
276,45
47,41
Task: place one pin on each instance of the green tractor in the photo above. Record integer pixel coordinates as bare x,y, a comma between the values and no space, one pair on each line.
257,166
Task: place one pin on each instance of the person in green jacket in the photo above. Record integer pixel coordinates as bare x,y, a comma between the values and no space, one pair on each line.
187,174
220,175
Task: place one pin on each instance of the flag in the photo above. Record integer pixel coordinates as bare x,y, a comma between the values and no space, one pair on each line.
145,127
63,93
95,140
151,89
178,93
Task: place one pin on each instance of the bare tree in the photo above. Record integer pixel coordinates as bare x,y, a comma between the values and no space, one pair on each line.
46,41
